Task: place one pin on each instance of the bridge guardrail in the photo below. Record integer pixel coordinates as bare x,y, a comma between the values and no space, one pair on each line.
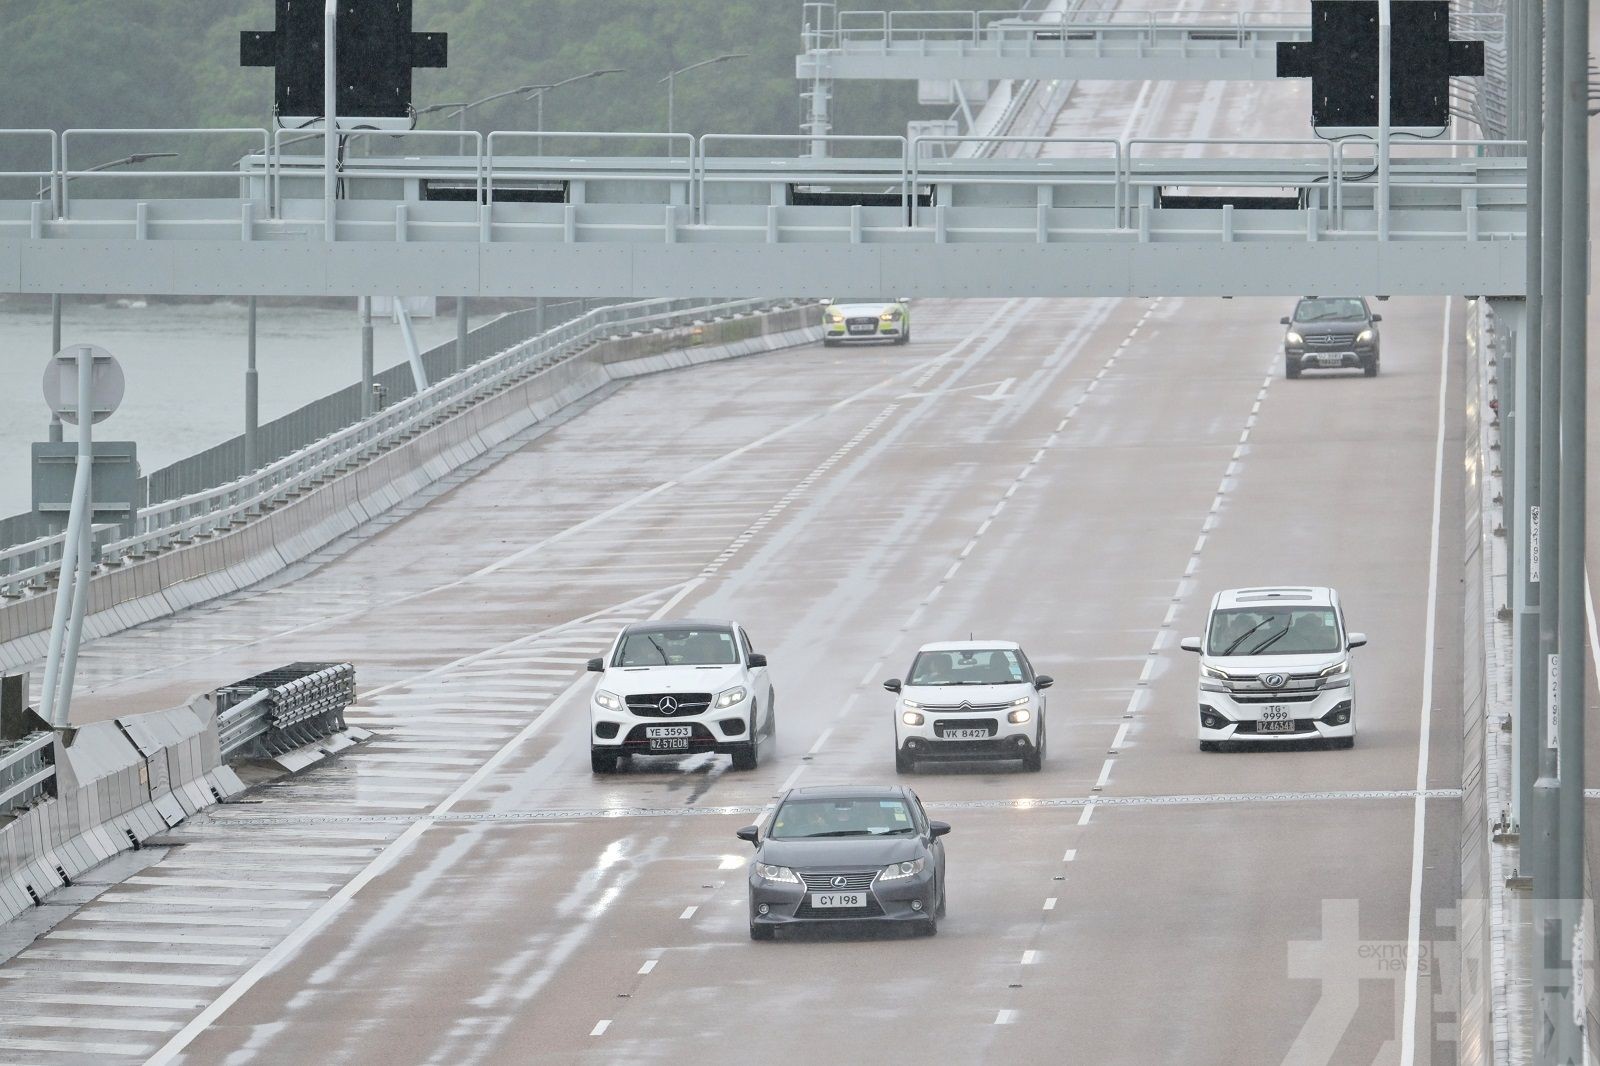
27,771
211,511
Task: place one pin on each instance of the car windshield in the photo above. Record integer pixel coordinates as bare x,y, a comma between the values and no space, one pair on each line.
1275,630
992,666
1329,310
877,300
801,818
678,646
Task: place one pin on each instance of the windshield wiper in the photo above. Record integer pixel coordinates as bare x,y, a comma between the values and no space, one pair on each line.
842,833
1269,642
1246,635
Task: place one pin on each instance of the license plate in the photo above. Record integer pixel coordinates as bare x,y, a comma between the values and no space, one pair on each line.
965,734
1332,360
838,899
1275,719
663,731
862,329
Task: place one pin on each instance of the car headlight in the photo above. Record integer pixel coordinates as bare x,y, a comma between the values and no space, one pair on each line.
732,696
607,700
1366,336
1019,716
1021,701
1337,668
1212,671
901,870
888,316
776,873
835,317
911,705
911,718
1293,338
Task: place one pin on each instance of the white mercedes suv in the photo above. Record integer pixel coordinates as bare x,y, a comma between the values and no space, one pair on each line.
675,688
970,699
1275,666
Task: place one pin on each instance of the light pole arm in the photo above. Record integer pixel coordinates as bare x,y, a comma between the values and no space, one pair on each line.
330,117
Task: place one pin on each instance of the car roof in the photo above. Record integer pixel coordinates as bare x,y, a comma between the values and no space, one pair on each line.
971,645
680,623
846,792
1306,595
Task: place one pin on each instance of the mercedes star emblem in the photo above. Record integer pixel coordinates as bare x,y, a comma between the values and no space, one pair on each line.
667,705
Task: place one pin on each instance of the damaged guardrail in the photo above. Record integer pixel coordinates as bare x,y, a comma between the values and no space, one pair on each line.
272,713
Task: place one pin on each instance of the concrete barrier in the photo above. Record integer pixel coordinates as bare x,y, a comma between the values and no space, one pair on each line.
138,590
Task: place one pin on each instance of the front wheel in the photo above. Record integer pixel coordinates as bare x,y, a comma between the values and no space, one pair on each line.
602,762
1370,368
828,342
1210,745
903,763
1291,369
1344,743
763,932
748,756
904,338
929,926
1033,761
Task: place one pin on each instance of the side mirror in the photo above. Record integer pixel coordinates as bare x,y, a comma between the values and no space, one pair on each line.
1377,318
828,302
1190,644
1357,640
938,829
752,833
902,299
893,684
597,666
1043,681
1284,321
757,659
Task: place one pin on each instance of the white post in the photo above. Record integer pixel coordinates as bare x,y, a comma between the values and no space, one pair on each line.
1385,41
419,373
330,117
72,588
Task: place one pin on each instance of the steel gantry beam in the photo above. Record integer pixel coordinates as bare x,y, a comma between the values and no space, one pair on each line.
1087,217
1160,45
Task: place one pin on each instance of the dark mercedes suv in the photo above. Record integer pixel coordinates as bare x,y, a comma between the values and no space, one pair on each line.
1331,333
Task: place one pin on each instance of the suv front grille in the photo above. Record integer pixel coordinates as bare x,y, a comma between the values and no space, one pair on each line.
858,881
1273,697
683,704
964,708
1329,340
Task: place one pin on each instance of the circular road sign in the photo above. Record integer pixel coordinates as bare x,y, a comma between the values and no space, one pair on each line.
61,383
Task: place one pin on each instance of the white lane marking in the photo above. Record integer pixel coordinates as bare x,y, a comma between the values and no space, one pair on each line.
157,936
1105,775
1588,610
173,957
1070,856
648,966
383,861
119,915
822,739
1408,1032
118,977
600,1027
207,882
688,912
1088,812
1122,735
86,999
1050,904
54,1021
1029,958
1005,1017
11,1043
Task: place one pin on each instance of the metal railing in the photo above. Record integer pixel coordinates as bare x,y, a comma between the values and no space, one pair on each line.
27,772
277,711
886,28
209,512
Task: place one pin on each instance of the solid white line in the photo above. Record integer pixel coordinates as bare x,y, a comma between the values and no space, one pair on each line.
1408,1032
1005,1017
648,966
324,914
1588,610
1072,854
600,1027
1050,904
688,912
1029,958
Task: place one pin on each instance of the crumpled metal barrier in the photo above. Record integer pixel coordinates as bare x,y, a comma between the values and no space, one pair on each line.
275,712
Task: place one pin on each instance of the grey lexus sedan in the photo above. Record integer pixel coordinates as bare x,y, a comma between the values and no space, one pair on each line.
842,854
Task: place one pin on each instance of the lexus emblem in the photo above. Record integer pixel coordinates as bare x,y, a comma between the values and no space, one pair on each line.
667,706
1273,680
840,882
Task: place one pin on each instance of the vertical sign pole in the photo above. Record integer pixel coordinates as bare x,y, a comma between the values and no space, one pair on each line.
1385,57
365,305
1530,413
83,518
330,118
252,395
56,432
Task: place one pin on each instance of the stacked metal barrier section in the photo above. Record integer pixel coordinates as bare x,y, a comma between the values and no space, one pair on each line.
273,713
27,771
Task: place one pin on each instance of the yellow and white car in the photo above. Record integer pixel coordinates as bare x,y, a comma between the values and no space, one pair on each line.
865,320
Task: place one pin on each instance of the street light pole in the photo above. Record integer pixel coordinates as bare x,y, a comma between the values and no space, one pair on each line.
670,81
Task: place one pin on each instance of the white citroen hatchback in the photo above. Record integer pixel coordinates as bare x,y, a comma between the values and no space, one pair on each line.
970,699
1275,666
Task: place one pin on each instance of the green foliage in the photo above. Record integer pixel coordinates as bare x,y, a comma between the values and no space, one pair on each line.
175,63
